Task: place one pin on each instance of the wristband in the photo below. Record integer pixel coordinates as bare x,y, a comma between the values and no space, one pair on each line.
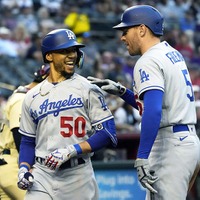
78,148
121,89
25,166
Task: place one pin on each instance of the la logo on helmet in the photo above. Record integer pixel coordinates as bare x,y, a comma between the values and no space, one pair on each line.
70,35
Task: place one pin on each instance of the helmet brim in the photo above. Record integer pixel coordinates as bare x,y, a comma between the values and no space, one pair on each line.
119,26
122,26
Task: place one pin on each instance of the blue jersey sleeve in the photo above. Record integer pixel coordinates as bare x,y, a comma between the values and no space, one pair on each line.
150,121
104,135
27,150
129,98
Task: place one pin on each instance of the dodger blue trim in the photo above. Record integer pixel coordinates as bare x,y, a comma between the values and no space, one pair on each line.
78,148
104,137
23,165
129,98
150,121
152,87
27,150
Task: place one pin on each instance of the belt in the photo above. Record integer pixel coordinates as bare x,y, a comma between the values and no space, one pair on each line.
6,151
180,127
66,165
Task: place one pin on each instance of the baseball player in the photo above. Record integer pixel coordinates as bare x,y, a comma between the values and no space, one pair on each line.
64,120
168,157
10,140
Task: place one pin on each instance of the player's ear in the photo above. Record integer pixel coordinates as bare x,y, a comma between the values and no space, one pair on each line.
142,30
49,57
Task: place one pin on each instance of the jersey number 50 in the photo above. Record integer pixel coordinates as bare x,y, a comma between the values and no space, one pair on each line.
73,126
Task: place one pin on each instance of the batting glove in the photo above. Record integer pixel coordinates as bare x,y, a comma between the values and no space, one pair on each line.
108,85
25,179
145,175
56,158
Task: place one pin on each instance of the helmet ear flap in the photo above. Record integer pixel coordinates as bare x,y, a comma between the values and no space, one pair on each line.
80,59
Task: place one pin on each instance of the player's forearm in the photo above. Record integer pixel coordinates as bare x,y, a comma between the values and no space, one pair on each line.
94,143
102,138
129,98
149,128
25,164
27,151
16,137
85,147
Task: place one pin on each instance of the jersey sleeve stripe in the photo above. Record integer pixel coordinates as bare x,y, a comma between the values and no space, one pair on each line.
27,134
102,120
152,87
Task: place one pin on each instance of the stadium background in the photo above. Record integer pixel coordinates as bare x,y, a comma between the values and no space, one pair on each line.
24,22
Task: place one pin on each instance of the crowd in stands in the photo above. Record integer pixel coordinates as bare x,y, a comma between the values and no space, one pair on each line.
24,22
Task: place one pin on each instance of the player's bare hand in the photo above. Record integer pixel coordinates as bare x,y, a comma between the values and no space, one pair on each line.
145,176
25,179
108,85
56,158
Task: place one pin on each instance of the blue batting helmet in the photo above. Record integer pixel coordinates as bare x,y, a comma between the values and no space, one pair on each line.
142,14
61,39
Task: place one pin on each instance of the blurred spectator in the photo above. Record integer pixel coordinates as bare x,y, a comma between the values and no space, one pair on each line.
114,45
128,67
53,6
104,9
194,71
107,63
116,73
172,11
21,40
184,47
34,51
91,56
196,57
77,21
45,22
187,24
125,119
28,19
171,36
43,14
195,9
24,3
3,101
8,18
196,89
6,44
11,4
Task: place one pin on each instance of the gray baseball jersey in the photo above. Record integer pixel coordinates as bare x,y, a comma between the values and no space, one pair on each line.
62,118
57,119
162,68
175,154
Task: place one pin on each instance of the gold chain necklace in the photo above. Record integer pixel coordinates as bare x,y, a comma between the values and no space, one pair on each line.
41,90
63,78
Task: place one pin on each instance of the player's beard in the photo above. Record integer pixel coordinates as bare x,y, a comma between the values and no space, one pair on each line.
60,69
66,74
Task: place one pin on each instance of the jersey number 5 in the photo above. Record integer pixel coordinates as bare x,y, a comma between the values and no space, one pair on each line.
188,83
73,126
